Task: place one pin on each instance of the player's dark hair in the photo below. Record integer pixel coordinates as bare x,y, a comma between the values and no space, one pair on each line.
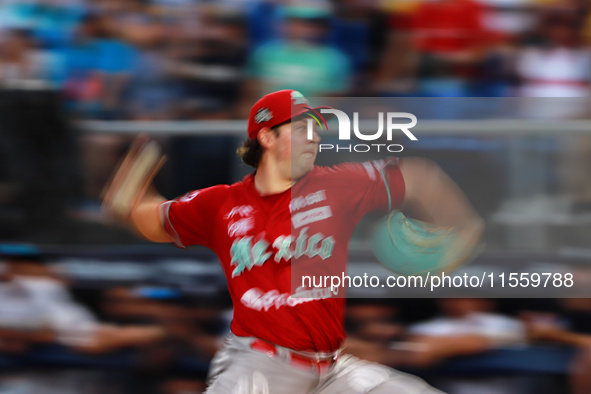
251,151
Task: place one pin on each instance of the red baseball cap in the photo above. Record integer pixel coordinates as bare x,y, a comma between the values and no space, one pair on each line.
276,108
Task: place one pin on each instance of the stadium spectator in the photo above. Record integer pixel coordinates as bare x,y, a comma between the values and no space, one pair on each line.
440,43
98,67
467,326
46,304
152,93
299,60
210,67
559,64
23,64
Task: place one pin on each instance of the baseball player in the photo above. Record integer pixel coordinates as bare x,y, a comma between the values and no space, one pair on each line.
279,343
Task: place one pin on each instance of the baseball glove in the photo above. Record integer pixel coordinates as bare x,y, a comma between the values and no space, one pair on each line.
412,247
132,178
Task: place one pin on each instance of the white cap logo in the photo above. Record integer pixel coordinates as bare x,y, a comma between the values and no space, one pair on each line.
263,115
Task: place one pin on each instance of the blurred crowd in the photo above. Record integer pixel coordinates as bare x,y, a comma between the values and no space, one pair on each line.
427,334
210,60
133,336
199,59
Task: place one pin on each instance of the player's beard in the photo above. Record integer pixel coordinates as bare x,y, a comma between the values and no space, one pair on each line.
302,165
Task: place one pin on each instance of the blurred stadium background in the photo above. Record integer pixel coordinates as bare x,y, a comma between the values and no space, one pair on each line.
87,307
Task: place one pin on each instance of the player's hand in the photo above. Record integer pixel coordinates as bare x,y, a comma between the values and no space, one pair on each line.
132,178
465,247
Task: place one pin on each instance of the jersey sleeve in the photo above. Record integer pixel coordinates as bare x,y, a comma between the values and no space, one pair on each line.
375,185
190,219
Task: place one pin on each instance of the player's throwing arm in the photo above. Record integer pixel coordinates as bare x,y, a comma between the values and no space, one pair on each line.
447,235
129,198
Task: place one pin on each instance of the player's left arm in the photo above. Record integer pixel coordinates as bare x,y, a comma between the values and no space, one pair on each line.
433,197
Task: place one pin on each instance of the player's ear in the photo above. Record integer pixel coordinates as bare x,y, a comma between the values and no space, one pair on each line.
266,137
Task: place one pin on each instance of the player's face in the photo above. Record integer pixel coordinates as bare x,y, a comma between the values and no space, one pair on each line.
298,151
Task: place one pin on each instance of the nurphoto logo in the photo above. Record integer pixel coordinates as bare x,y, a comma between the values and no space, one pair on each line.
345,128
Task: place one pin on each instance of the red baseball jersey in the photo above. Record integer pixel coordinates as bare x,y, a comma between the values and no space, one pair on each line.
257,238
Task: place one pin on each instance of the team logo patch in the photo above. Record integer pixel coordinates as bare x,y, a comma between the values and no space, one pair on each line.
313,215
301,202
263,115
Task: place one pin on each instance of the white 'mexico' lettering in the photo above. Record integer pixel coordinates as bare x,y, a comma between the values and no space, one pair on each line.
245,255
